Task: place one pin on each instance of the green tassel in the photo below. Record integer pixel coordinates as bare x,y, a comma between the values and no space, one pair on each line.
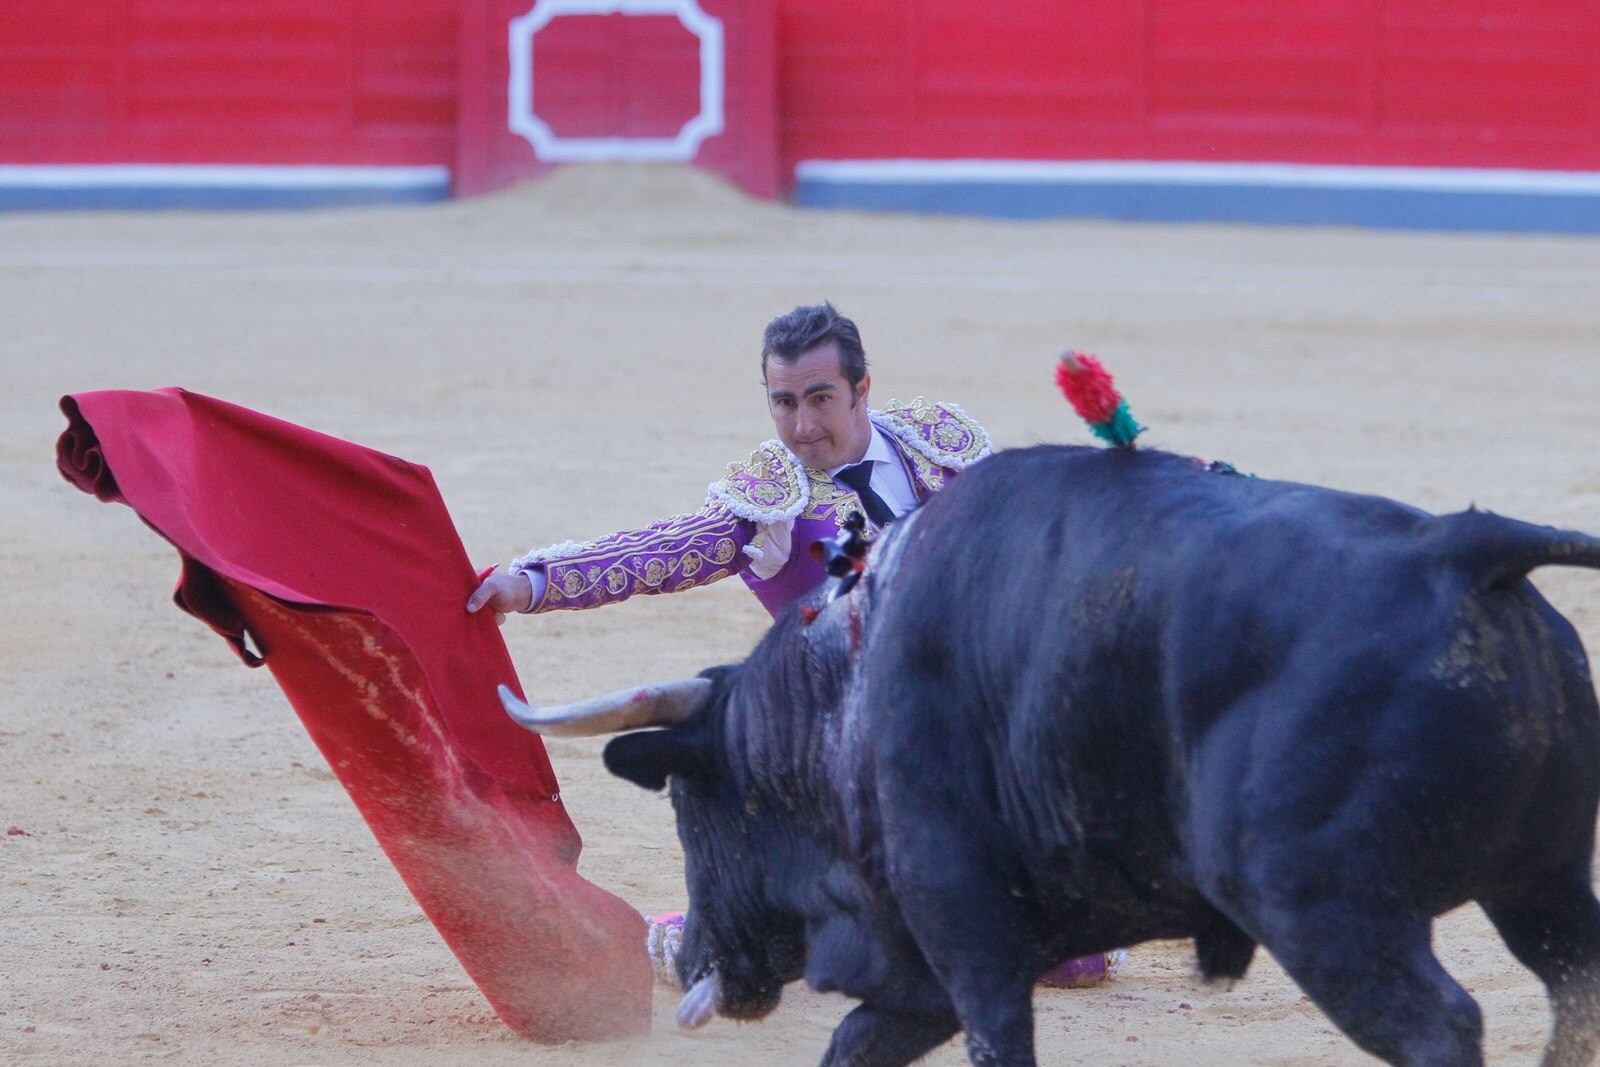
1119,430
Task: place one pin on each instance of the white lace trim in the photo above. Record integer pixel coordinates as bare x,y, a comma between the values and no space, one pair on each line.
717,492
663,941
899,426
564,550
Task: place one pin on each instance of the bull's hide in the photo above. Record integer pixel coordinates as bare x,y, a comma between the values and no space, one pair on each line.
1087,698
341,565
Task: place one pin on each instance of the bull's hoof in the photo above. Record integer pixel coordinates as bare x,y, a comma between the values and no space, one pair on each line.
1081,972
663,940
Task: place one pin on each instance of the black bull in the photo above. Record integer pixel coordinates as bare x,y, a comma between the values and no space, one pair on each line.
1088,698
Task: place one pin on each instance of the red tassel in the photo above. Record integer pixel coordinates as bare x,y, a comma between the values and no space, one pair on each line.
1088,388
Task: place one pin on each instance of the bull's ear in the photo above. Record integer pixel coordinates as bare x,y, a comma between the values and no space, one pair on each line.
721,675
649,757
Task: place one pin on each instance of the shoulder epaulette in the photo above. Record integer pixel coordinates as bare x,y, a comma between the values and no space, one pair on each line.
768,487
943,433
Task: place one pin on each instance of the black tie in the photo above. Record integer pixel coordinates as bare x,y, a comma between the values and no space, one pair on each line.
859,478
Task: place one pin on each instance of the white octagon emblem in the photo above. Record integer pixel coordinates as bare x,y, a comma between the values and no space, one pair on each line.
524,120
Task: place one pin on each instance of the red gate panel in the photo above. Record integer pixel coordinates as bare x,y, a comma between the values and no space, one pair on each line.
559,81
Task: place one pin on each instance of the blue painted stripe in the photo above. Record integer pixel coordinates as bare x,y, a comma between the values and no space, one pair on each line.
139,186
1390,198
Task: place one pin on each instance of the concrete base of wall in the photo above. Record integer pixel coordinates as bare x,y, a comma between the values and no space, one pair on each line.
140,186
1420,198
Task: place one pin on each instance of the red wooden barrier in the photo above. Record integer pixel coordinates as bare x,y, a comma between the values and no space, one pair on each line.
1463,83
355,82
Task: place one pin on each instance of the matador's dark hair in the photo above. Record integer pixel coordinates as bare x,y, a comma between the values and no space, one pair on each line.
788,337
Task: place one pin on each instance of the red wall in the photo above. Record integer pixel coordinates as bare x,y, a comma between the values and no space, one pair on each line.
1491,83
1482,83
227,81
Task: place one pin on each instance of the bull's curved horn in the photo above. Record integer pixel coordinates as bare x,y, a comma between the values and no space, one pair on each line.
699,1003
662,704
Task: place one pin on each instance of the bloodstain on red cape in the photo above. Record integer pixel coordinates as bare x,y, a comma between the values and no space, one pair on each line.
341,565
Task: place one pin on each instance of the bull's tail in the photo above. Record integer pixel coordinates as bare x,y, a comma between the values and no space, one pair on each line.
1496,550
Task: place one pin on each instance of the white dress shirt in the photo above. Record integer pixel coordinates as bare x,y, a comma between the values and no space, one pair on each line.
889,480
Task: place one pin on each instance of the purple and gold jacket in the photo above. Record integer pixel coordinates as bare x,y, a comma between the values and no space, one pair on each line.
736,527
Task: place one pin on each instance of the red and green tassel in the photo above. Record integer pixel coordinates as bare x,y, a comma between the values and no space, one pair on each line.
1089,389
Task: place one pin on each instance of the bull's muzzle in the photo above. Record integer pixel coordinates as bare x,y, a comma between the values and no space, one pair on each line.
662,704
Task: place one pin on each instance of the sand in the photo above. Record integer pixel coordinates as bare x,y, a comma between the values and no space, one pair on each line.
191,886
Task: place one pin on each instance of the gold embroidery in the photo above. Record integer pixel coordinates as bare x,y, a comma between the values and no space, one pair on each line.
646,561
716,576
953,433
924,471
767,481
826,494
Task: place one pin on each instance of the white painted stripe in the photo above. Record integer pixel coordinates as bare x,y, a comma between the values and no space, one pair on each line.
218,176
1113,172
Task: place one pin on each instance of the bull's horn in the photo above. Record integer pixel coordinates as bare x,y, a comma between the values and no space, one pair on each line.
699,1004
663,704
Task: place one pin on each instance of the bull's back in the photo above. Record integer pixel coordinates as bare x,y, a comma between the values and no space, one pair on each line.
1023,652
1128,652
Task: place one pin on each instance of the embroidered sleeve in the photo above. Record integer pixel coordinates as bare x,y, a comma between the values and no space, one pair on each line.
669,556
941,433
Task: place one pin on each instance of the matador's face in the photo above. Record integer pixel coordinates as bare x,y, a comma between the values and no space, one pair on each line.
813,409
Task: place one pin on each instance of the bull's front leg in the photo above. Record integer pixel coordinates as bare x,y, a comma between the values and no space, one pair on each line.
966,921
874,1037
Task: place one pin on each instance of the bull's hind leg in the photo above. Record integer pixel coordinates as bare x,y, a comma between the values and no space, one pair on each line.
1373,973
872,1037
1555,932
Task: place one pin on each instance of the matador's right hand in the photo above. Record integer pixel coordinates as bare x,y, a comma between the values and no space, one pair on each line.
504,593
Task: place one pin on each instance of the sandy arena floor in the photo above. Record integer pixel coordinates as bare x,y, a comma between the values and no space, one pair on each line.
192,886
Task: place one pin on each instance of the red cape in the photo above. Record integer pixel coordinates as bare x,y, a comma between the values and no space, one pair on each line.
342,566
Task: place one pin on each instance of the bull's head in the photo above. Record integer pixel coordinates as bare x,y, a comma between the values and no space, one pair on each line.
742,942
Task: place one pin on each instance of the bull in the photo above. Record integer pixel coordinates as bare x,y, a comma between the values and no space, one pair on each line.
1086,698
